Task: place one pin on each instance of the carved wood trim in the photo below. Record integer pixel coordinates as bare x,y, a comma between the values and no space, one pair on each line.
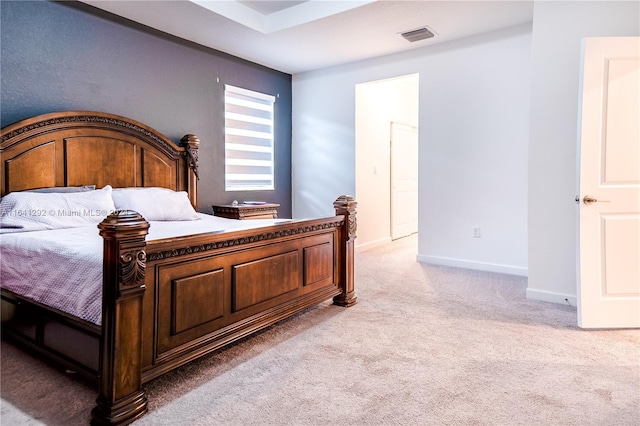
191,144
132,268
90,119
346,205
183,251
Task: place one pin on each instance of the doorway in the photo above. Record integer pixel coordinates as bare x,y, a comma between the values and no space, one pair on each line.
379,104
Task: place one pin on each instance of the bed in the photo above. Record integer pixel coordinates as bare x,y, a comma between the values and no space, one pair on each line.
166,300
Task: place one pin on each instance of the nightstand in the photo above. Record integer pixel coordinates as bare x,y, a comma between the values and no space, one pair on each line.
247,211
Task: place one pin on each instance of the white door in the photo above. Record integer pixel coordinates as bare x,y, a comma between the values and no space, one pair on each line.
609,198
404,180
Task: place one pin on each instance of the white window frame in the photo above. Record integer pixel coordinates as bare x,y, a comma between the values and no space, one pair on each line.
258,143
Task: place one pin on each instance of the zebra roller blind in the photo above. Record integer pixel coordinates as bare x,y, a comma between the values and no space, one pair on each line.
249,156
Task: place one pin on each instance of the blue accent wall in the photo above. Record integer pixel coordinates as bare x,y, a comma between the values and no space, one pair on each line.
58,56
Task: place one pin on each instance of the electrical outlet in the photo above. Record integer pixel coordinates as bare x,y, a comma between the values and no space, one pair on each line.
475,232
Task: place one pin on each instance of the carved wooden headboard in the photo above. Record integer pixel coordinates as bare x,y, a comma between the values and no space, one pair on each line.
94,148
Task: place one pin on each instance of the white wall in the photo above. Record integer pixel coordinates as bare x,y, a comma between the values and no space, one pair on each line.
377,105
474,110
558,29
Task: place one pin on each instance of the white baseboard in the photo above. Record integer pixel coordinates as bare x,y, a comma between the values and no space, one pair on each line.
372,244
549,296
470,264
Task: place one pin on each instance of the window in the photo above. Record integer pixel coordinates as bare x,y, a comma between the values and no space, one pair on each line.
249,133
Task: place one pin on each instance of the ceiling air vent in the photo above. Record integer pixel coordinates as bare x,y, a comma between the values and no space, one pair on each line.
417,34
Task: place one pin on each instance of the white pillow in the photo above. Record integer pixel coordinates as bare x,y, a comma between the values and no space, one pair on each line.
36,211
155,203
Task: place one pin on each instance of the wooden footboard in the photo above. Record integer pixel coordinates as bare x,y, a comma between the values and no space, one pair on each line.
170,301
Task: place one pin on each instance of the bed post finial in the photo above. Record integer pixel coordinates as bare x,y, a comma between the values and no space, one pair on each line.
346,205
121,399
191,143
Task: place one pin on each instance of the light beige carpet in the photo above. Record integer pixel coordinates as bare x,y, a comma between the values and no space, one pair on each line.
425,345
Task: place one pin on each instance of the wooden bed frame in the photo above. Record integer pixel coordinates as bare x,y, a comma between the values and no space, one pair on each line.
165,302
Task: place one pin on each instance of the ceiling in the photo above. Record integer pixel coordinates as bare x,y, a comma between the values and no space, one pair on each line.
298,36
